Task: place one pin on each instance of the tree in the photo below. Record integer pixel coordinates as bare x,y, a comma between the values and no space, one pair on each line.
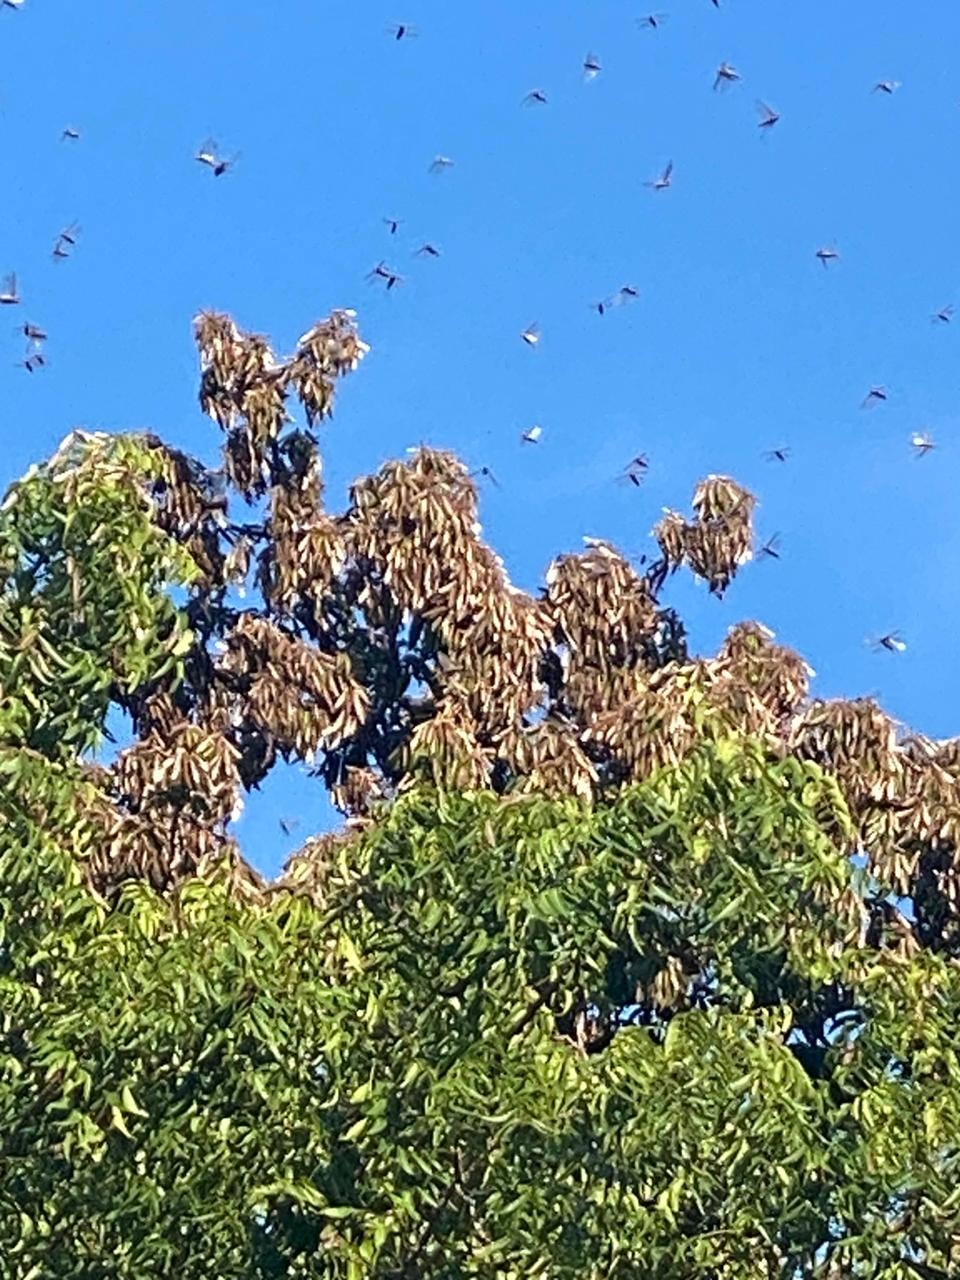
588,986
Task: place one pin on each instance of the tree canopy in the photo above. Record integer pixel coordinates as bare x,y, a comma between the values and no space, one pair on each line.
625,963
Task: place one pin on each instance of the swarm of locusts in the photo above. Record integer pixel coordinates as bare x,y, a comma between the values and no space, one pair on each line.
388,644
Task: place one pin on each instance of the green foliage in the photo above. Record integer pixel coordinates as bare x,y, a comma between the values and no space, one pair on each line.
84,604
518,1038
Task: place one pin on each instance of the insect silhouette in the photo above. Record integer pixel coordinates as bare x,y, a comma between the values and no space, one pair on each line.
653,21
922,443
770,548
487,473
827,255
393,224
428,250
69,235
777,455
725,75
402,31
382,272
636,470
13,4
875,396
891,641
886,86
531,435
36,360
70,134
944,315
32,333
531,334
209,154
535,97
663,181
9,293
65,241
626,293
288,825
440,164
768,117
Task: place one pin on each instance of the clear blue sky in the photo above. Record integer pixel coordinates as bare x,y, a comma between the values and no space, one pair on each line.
740,342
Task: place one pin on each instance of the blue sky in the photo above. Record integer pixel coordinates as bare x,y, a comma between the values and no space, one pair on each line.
740,341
